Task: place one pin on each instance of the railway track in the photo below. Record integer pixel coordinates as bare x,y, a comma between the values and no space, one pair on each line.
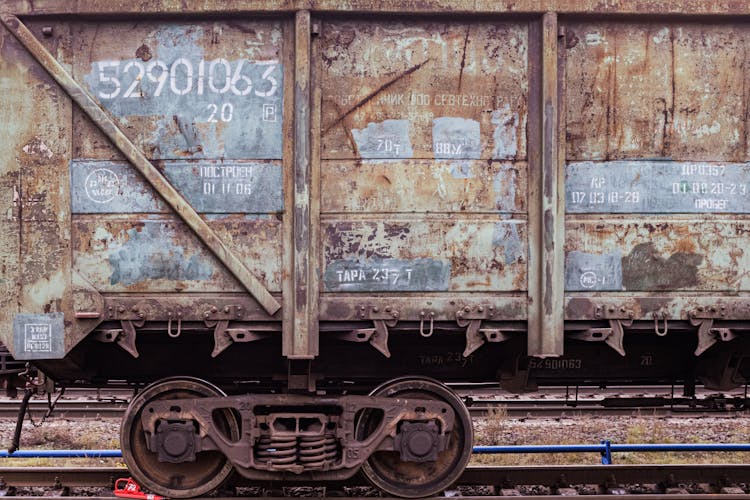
516,408
629,481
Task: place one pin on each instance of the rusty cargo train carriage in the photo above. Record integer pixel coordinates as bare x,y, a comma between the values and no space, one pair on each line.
269,208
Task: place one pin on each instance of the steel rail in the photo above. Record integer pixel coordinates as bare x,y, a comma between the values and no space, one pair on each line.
608,478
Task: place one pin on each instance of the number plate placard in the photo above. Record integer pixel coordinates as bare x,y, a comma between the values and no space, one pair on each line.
39,336
657,187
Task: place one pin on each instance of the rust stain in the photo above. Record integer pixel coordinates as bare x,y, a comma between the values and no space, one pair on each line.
645,269
375,92
144,53
685,245
463,56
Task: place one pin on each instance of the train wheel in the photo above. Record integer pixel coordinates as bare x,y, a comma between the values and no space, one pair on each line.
180,480
387,471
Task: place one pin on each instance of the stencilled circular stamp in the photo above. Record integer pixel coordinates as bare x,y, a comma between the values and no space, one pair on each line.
102,185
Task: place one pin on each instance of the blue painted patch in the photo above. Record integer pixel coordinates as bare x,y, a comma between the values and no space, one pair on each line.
506,235
150,254
209,187
593,272
462,170
383,274
202,108
504,187
657,187
456,138
387,139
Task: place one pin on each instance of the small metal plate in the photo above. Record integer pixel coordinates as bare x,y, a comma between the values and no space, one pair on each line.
657,187
209,186
39,336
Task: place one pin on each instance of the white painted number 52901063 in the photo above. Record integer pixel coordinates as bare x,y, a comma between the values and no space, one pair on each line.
182,77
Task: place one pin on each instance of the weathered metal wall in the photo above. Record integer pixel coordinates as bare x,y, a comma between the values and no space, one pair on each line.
421,165
423,156
206,99
656,120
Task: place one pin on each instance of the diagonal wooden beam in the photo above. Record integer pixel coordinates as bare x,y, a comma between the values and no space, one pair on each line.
136,157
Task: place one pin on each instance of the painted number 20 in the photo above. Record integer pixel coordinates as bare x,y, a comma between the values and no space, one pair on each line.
224,113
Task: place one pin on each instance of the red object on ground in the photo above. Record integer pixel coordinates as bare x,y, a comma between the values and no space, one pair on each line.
127,488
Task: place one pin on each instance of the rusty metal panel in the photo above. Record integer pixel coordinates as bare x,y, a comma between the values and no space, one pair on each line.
113,131
159,254
654,254
421,185
37,265
424,255
672,91
16,130
397,90
645,90
455,7
185,90
427,119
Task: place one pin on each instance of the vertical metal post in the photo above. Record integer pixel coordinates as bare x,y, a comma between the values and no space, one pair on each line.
301,340
546,184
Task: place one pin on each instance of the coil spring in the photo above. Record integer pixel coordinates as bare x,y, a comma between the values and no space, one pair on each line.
312,452
316,451
277,451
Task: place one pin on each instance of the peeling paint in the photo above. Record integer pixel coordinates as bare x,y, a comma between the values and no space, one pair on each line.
387,139
645,269
505,136
593,272
149,254
455,137
507,236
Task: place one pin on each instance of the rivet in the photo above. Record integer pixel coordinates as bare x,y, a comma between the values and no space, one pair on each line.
375,309
47,31
226,309
388,309
213,309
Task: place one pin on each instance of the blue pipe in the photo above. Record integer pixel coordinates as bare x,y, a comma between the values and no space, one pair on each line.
602,448
62,454
564,448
